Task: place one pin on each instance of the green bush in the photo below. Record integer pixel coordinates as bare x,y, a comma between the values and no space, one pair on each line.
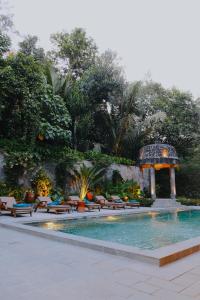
17,163
147,202
186,201
18,193
42,151
107,159
122,189
4,189
187,181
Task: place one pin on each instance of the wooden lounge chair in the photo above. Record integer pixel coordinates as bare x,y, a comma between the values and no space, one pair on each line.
73,201
133,203
109,204
10,204
46,202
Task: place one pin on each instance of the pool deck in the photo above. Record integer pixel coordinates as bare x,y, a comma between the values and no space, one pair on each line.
33,267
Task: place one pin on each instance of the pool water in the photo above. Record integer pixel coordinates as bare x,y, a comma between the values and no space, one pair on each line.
146,231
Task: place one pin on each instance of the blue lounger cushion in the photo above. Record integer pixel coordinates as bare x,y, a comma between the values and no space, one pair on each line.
118,201
88,202
54,203
22,205
133,201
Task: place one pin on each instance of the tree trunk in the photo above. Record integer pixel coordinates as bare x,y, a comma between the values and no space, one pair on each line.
74,133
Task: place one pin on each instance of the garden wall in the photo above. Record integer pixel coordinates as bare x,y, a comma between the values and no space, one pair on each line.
127,172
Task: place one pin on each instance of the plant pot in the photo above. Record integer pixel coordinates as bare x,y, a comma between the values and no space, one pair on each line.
29,197
81,206
125,198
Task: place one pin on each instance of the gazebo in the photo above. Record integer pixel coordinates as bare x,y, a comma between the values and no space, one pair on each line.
156,157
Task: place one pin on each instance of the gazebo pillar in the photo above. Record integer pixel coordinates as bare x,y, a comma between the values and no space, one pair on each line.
153,183
172,183
141,180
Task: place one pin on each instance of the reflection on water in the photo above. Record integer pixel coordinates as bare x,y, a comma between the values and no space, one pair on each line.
52,225
147,231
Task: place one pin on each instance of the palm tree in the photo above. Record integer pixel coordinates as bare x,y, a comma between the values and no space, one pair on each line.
54,79
86,178
126,124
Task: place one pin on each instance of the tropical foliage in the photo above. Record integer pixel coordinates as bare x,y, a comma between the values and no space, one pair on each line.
75,103
86,178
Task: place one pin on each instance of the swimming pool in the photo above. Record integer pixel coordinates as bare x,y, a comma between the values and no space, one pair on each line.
145,230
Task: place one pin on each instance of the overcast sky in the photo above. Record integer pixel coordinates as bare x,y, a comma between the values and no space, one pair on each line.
160,37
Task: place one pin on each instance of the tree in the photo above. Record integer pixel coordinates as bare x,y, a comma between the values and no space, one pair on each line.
28,105
22,86
103,84
5,43
86,178
6,24
181,127
55,119
74,51
55,79
104,80
124,125
29,47
80,110
6,21
77,104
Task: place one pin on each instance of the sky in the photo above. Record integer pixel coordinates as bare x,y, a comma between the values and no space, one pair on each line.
159,38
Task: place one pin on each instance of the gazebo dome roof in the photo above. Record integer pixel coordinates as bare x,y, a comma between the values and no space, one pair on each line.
160,155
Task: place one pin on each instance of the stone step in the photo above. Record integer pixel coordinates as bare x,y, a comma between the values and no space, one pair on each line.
166,203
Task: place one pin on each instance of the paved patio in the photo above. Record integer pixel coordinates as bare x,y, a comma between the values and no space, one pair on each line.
36,268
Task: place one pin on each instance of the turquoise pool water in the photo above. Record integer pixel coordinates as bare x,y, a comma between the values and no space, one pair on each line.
145,231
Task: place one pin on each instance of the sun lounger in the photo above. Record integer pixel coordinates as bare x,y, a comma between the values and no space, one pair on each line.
130,203
133,203
73,201
109,204
92,205
55,206
10,204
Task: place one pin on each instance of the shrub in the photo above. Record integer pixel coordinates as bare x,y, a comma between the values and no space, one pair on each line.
107,159
4,189
18,193
146,202
17,164
122,189
186,201
42,183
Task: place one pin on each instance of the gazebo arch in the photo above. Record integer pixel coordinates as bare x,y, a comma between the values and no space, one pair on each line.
156,157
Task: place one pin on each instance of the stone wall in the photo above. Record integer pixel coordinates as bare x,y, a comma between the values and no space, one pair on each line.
127,172
130,173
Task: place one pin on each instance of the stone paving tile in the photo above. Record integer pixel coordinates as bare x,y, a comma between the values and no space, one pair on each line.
164,294
34,268
165,283
145,287
94,289
168,272
137,295
128,277
193,290
196,270
186,279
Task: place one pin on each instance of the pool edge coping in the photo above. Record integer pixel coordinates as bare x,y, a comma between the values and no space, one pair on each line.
159,257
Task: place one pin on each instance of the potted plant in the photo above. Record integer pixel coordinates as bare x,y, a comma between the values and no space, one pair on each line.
85,178
29,196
